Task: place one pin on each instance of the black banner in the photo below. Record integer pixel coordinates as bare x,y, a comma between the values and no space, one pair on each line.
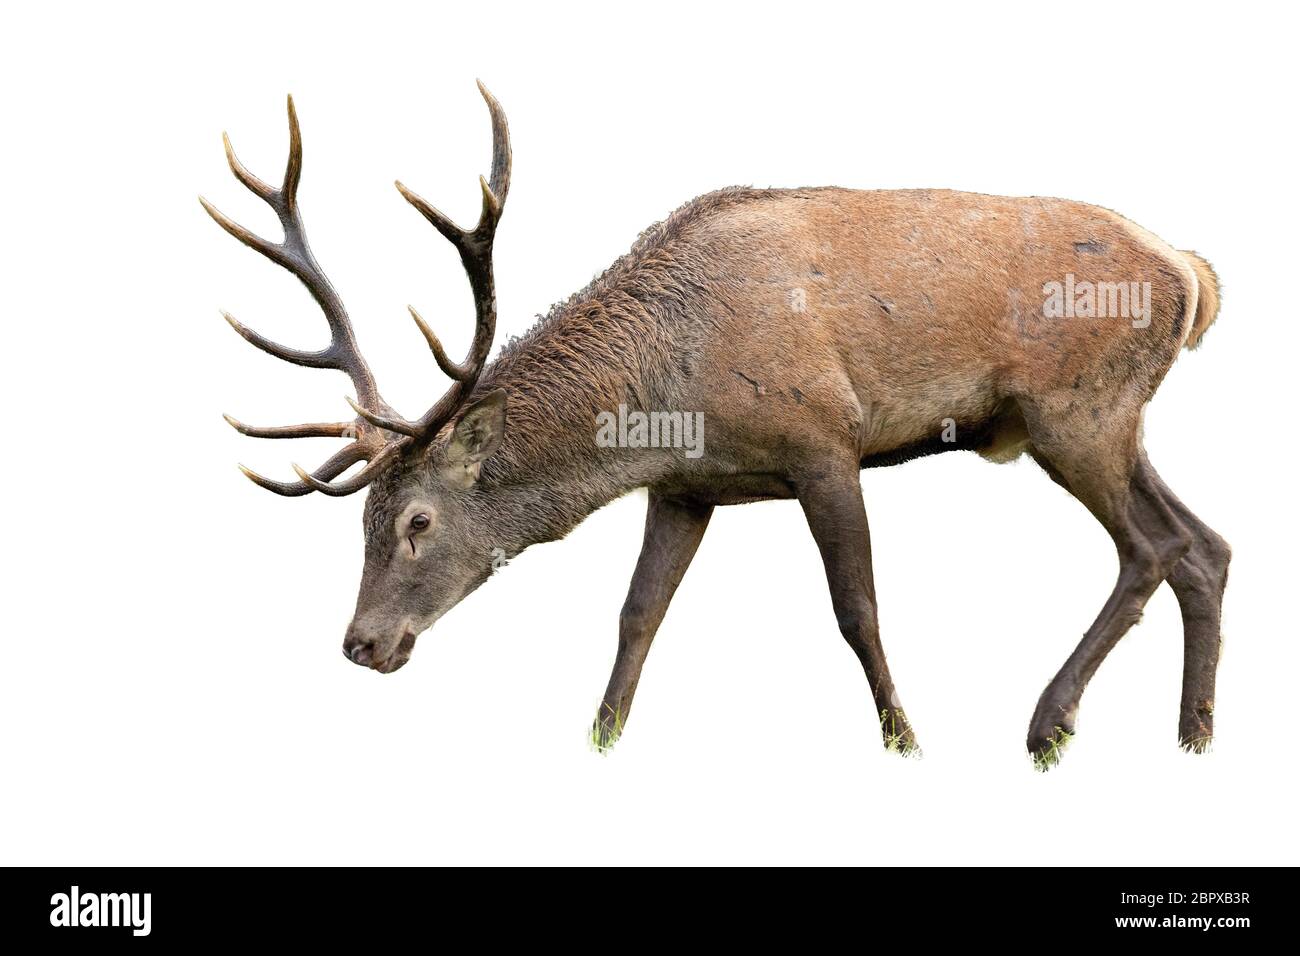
138,907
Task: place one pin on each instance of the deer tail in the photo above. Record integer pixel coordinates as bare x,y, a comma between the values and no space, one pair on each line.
1207,298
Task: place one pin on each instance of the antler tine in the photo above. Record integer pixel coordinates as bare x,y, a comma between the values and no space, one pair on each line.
242,173
295,356
334,466
267,248
392,424
293,167
449,230
450,369
315,430
499,185
365,476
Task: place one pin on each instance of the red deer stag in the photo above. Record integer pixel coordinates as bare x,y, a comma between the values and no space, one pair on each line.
818,331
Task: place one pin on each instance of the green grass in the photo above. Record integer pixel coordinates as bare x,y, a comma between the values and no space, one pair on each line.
1049,755
604,734
898,740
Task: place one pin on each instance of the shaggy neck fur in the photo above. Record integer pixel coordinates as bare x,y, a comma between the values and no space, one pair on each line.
628,338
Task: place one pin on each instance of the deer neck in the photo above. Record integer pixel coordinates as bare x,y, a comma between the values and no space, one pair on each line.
571,444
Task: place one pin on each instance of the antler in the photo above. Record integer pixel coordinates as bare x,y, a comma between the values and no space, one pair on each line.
373,431
475,248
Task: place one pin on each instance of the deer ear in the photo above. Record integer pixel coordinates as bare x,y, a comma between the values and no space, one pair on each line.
476,437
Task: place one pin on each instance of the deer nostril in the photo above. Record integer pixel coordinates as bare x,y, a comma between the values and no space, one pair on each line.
360,653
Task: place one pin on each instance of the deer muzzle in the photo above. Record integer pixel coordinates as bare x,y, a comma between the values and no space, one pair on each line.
380,652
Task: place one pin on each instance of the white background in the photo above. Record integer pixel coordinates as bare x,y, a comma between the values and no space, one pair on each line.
172,688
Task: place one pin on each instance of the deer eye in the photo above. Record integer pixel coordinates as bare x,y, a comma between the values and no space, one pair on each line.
420,522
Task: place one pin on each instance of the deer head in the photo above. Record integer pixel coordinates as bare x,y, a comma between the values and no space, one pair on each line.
425,548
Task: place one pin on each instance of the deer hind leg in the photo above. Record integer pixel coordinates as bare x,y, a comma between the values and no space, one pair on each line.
832,503
1105,467
1198,581
673,531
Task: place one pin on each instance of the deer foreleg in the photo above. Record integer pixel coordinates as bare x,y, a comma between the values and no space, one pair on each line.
832,503
673,530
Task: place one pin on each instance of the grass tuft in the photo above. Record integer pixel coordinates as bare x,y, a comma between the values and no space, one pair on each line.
605,733
898,735
1049,755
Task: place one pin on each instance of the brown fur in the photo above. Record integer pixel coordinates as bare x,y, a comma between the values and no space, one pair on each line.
920,306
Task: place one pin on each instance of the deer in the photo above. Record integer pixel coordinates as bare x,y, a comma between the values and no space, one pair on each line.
819,332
